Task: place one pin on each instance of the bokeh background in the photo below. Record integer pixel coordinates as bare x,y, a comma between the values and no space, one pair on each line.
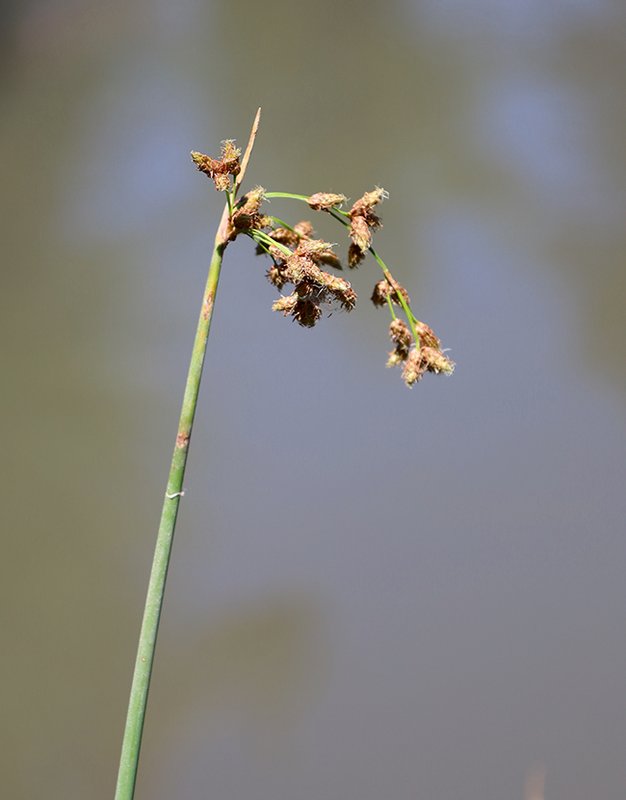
375,592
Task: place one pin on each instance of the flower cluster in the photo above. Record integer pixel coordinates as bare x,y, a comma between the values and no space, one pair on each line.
389,290
299,260
313,287
417,357
219,170
363,221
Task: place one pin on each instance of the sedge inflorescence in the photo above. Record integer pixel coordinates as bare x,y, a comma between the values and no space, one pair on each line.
301,262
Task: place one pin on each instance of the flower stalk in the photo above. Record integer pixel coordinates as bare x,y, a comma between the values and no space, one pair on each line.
131,744
299,260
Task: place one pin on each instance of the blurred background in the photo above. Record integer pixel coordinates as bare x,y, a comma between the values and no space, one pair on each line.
375,592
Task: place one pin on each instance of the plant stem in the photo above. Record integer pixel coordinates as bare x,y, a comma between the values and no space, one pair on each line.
288,196
147,639
411,318
131,744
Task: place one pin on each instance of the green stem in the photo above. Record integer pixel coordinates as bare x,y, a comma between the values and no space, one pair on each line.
262,238
411,318
288,195
283,224
131,744
305,199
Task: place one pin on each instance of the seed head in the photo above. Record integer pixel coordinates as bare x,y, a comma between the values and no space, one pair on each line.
306,313
362,222
402,339
284,236
355,256
276,275
304,310
323,201
425,359
360,233
437,361
427,337
319,251
219,170
304,229
313,285
364,205
414,367
395,358
246,214
400,334
384,289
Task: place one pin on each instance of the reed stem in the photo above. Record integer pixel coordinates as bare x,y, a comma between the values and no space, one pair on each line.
131,744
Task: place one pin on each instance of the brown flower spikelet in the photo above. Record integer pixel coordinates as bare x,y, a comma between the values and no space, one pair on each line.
313,286
427,337
362,222
414,367
285,236
323,201
402,338
320,252
436,361
306,313
219,170
286,303
246,214
425,359
360,233
276,275
395,358
364,205
400,334
355,256
303,310
304,229
383,290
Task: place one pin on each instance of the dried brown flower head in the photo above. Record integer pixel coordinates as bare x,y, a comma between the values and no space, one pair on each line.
276,275
427,337
299,260
323,201
313,286
425,359
303,309
414,367
437,361
384,290
360,233
402,338
286,304
355,256
219,170
363,221
320,252
364,205
285,236
304,229
400,335
246,214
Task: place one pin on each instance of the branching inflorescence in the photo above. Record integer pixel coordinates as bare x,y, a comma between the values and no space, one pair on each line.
299,261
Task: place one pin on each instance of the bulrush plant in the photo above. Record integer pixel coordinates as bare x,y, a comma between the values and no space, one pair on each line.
300,268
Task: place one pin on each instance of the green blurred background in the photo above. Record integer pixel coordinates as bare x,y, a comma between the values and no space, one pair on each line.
375,592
